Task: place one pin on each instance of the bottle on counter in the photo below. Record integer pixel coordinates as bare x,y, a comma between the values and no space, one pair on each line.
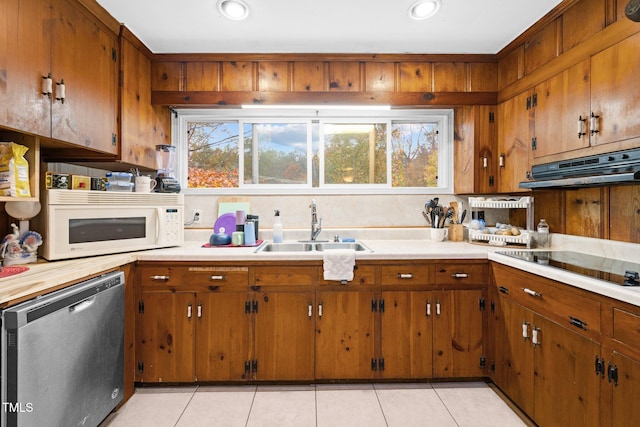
277,228
543,234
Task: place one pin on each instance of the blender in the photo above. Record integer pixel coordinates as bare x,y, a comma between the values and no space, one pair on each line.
165,179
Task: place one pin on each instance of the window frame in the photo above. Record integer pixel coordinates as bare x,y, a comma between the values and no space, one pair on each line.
444,117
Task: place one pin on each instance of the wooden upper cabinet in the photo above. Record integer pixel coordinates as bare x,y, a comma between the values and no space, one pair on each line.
84,56
580,23
483,77
449,77
344,76
515,122
237,76
541,48
166,76
511,67
25,56
615,91
560,102
273,76
309,76
416,77
143,125
203,75
380,77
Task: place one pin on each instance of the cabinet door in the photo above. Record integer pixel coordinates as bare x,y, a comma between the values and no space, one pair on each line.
486,140
515,121
284,336
514,353
567,390
25,56
561,101
223,340
84,55
344,335
143,125
615,91
457,333
165,337
406,334
625,408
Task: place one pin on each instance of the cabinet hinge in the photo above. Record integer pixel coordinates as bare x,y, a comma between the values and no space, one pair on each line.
374,305
254,306
114,139
493,306
612,374
492,366
483,362
492,117
247,307
600,366
481,303
140,367
534,144
247,367
374,364
114,55
254,366
381,305
528,103
141,307
491,181
381,364
534,100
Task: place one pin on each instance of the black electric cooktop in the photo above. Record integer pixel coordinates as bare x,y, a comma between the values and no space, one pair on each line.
623,273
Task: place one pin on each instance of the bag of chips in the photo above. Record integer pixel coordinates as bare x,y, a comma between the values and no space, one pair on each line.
14,170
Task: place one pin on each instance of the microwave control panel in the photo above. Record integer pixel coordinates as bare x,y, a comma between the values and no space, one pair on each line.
171,225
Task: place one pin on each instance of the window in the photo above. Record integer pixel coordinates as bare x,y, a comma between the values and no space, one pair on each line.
319,151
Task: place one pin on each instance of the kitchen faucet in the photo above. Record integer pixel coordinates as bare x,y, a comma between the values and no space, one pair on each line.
316,225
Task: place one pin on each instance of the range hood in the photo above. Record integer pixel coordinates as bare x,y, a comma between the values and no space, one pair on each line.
602,169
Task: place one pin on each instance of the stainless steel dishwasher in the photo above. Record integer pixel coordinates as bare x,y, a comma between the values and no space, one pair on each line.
63,355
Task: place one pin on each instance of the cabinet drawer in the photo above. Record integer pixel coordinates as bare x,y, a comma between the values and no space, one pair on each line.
461,273
403,274
162,276
285,275
219,276
626,327
362,275
556,301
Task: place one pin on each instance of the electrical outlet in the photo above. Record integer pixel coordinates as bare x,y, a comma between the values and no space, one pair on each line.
197,216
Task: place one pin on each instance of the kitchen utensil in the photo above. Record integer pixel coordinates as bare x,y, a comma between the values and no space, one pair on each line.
426,217
464,214
454,206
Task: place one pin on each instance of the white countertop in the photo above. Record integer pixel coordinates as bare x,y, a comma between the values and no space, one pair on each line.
46,275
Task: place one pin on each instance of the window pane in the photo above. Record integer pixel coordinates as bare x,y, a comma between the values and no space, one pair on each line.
355,153
213,154
414,160
275,153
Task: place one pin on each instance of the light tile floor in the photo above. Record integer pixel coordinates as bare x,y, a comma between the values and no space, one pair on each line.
426,404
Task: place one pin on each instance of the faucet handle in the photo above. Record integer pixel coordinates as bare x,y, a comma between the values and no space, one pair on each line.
336,238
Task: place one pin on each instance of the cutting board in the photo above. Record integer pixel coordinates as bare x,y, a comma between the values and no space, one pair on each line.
233,204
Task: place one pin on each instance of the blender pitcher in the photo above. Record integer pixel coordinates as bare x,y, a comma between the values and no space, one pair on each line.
165,179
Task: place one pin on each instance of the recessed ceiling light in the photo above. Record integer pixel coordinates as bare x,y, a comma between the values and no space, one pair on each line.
423,9
233,9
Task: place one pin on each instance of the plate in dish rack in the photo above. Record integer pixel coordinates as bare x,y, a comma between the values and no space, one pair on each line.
226,223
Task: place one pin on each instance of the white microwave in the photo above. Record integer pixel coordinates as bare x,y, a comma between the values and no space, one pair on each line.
80,223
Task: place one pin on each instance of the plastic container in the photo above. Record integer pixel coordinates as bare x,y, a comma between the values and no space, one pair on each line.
119,186
543,234
278,233
119,177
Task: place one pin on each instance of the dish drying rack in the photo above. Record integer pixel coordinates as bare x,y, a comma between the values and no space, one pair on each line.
504,202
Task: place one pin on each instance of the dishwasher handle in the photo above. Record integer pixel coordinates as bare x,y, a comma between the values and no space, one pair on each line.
82,305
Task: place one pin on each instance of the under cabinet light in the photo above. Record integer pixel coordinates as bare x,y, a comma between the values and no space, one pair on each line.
315,107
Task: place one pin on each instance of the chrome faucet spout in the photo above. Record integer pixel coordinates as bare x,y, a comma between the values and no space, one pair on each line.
316,224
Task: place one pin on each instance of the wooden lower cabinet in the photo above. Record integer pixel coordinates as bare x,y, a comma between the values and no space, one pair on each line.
625,388
345,347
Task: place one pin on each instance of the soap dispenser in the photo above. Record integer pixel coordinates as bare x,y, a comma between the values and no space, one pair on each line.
277,228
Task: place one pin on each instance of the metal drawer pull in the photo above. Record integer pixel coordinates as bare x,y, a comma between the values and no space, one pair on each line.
535,339
189,311
459,275
503,290
165,278
532,292
220,277
405,275
199,311
578,323
525,330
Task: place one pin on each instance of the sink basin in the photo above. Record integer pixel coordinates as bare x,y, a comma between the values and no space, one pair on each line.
356,246
286,247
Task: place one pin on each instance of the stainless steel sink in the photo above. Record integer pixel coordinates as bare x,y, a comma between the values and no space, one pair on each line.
285,247
356,246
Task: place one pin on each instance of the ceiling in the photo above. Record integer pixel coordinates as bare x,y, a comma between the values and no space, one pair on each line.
328,26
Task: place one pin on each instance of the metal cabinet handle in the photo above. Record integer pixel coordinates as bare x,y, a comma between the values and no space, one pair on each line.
163,278
438,308
404,275
310,310
428,308
459,275
532,292
189,311
199,311
320,310
47,85
217,277
60,91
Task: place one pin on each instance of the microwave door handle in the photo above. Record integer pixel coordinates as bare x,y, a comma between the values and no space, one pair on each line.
158,213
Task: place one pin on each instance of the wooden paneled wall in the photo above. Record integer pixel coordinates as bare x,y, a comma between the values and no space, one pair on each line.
400,80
